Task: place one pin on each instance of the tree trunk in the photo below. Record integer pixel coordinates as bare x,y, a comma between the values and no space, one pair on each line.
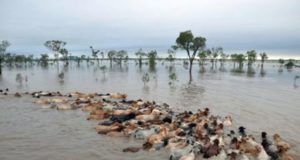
190,70
0,65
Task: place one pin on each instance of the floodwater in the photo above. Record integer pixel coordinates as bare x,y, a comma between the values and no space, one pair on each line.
261,100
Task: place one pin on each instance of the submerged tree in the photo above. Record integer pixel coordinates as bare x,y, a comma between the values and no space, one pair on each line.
263,57
29,58
215,53
95,53
186,41
202,56
3,46
251,56
102,55
171,54
111,55
120,56
223,57
290,64
44,59
152,55
65,53
239,58
140,54
55,46
172,78
281,62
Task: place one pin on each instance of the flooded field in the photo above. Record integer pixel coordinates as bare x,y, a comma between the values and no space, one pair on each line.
261,100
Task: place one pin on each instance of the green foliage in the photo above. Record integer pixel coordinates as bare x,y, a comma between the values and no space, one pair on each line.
223,57
171,54
8,58
111,54
216,52
173,76
281,61
263,57
94,52
239,58
44,58
152,55
57,47
19,58
29,58
290,64
64,52
202,56
189,43
3,46
117,56
251,56
121,55
140,54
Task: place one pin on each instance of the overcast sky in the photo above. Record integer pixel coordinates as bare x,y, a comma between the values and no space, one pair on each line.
132,24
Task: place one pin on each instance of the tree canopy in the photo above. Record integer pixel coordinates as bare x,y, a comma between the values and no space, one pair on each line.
3,46
186,41
55,45
251,55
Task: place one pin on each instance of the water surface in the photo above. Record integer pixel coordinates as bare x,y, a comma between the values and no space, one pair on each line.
261,100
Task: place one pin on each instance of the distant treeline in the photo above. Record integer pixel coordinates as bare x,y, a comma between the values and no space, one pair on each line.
195,48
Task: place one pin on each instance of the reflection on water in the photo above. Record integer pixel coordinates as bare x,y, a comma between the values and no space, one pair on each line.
256,97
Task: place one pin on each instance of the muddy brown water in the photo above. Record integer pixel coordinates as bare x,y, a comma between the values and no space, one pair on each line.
267,101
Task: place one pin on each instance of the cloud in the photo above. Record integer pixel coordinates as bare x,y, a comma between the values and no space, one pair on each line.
233,24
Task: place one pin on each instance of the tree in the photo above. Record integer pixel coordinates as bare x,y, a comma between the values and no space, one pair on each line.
55,46
186,41
111,55
281,61
152,55
120,56
215,53
233,59
171,54
202,56
44,59
223,57
102,55
19,58
8,58
83,57
239,58
140,54
290,63
95,53
263,57
3,46
29,58
251,56
64,52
